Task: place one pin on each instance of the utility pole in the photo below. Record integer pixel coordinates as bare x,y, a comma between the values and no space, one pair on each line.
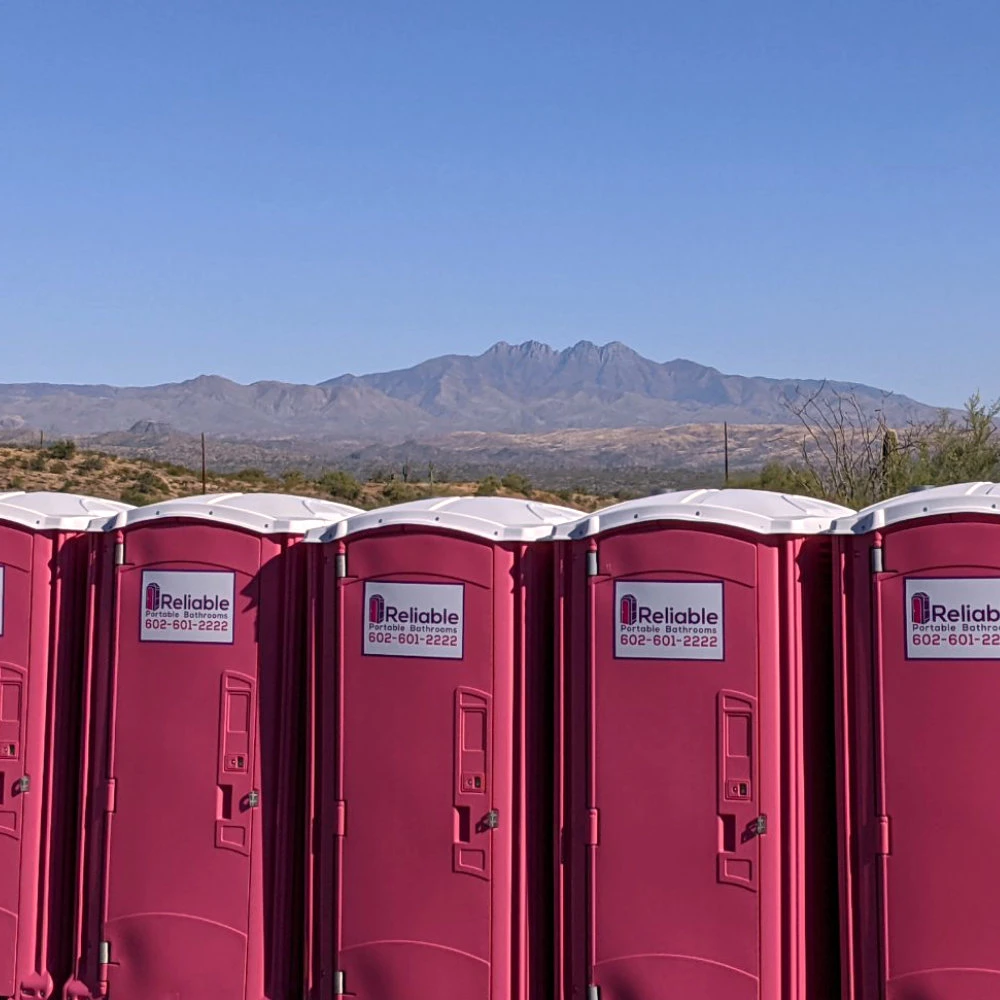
725,447
204,471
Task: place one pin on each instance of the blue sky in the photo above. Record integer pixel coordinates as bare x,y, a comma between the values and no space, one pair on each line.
272,190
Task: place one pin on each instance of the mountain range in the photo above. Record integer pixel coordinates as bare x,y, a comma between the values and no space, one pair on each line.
527,388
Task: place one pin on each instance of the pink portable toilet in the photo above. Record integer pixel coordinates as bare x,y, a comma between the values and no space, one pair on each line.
434,764
196,835
697,788
46,544
918,639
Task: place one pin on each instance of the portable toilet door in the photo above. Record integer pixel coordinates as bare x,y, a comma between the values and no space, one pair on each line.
45,544
697,690
919,647
202,778
440,655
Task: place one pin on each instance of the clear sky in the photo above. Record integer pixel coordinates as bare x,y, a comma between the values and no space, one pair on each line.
294,190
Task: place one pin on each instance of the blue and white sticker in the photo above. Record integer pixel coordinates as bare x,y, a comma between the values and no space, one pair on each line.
669,621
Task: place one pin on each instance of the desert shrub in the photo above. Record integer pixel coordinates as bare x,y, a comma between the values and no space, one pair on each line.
173,469
38,462
150,482
252,475
292,480
340,485
489,487
398,492
92,463
61,449
517,483
145,488
58,467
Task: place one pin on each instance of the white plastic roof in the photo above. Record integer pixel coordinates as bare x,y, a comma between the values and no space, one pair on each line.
264,513
44,511
497,518
758,511
963,498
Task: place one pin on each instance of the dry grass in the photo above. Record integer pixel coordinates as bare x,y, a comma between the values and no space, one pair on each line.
65,469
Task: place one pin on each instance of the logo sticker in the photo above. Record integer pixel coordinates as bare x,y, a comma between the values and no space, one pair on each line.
415,619
957,619
187,607
669,621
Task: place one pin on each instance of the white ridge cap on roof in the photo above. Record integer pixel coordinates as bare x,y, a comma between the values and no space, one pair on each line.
758,511
46,511
961,498
497,518
264,513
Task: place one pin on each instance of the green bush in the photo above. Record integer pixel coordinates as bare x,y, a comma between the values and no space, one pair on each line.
256,476
489,487
292,480
92,463
146,488
340,485
150,482
61,449
517,483
173,469
397,492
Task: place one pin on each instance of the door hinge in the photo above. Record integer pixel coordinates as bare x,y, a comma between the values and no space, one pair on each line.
340,566
492,820
340,819
23,785
104,953
253,799
593,825
883,836
759,825
338,984
592,562
110,795
878,562
593,993
119,553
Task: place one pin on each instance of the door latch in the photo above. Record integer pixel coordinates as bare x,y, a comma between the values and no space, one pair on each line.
759,825
22,784
253,799
492,820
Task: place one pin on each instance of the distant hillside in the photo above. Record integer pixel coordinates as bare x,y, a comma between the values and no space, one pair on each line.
633,458
527,388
